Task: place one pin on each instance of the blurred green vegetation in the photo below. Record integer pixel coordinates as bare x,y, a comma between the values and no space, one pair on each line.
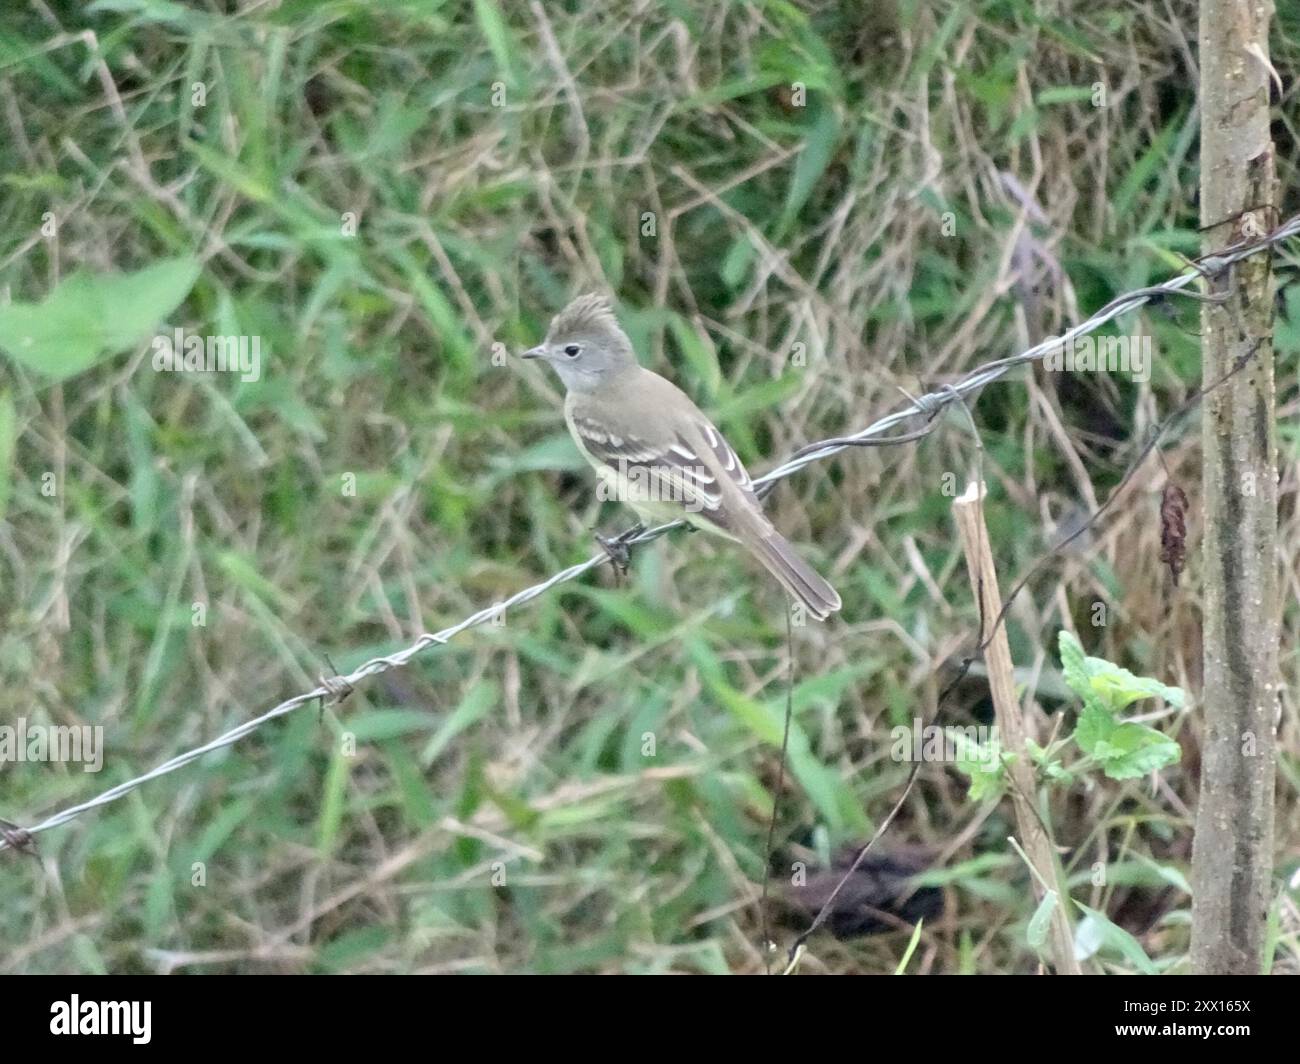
801,208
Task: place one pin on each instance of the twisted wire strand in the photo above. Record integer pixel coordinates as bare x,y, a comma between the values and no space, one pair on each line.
928,406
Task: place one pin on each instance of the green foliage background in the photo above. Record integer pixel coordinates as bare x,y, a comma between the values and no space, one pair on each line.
496,159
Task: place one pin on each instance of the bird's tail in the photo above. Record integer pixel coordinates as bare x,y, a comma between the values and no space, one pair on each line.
796,576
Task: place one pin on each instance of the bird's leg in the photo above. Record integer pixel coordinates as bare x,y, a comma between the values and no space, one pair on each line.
616,546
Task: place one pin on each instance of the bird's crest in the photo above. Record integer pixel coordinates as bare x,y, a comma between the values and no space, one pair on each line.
586,314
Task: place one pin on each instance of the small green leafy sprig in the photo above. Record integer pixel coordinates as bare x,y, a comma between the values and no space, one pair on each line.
1123,749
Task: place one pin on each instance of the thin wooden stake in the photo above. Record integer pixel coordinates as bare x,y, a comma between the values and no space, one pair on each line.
969,513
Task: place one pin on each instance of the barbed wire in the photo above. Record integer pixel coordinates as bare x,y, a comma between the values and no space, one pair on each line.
928,406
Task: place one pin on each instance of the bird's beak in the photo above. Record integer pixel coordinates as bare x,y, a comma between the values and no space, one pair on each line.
534,352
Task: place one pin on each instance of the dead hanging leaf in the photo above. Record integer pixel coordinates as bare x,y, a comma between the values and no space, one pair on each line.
1173,529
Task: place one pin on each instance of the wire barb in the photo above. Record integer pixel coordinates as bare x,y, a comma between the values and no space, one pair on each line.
17,838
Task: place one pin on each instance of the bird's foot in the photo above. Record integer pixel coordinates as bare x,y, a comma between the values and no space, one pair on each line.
617,546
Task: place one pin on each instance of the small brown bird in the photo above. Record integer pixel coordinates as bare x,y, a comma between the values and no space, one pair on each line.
654,450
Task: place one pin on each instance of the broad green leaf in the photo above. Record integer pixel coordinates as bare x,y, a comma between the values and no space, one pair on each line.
1124,750
134,303
59,337
1119,687
1073,664
1095,725
1105,685
1133,750
89,316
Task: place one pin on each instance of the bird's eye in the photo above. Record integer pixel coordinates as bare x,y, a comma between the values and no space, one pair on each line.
572,350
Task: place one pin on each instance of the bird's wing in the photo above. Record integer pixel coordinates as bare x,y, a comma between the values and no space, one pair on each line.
709,448
696,468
